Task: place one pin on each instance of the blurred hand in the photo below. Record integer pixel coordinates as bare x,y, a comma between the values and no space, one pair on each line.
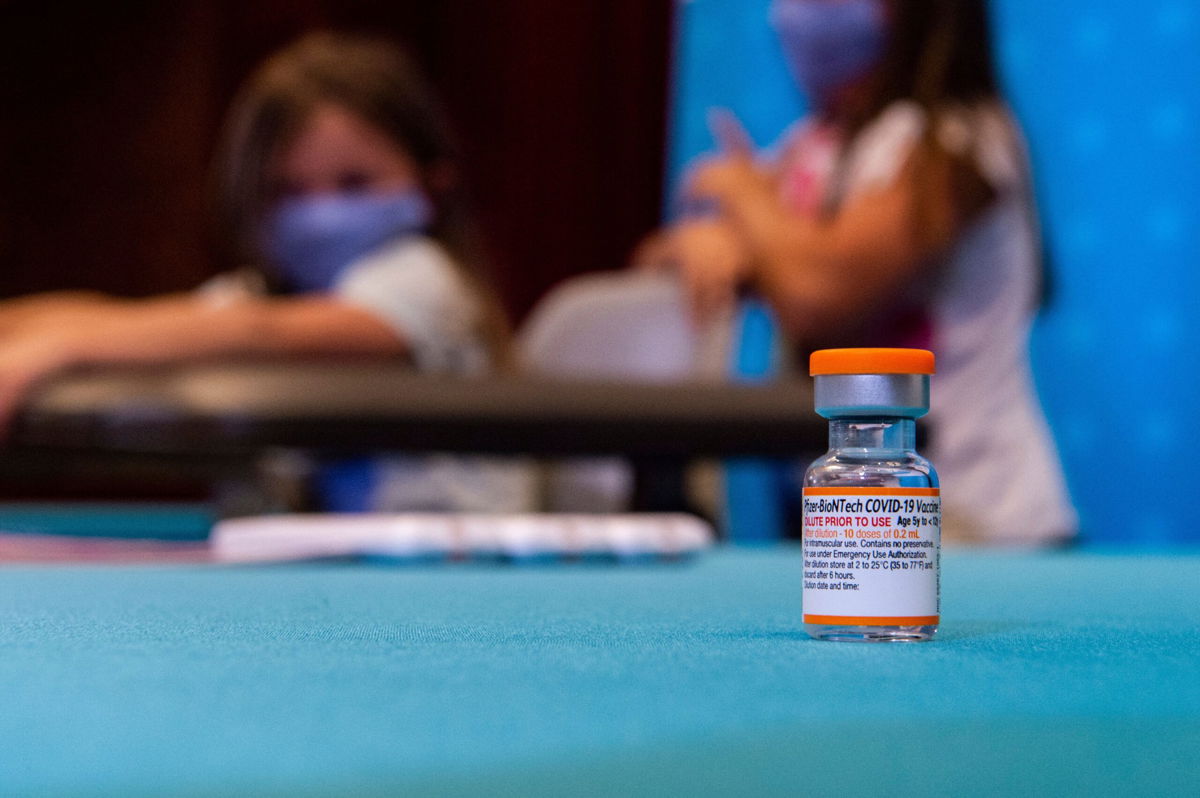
727,179
728,176
24,361
708,250
712,261
653,253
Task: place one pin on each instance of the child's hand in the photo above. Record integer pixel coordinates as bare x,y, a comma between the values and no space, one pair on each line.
653,253
713,263
728,179
25,360
729,176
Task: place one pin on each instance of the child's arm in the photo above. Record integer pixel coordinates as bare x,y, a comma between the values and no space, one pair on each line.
169,330
707,250
709,256
820,276
175,329
26,310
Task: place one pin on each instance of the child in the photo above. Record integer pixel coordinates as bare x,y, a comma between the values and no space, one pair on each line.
898,214
339,191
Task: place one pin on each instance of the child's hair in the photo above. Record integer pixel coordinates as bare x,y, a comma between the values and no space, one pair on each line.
938,54
377,82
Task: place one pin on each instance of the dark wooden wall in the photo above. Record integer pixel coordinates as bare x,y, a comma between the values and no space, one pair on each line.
109,113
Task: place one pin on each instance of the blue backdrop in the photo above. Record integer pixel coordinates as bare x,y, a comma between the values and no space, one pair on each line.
1109,96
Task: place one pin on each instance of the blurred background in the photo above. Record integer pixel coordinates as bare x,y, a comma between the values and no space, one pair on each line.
111,112
577,118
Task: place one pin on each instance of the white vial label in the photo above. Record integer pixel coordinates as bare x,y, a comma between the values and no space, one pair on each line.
871,556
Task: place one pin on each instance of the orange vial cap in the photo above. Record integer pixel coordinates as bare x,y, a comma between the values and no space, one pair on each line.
870,360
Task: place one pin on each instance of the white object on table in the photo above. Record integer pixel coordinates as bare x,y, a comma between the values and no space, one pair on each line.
433,535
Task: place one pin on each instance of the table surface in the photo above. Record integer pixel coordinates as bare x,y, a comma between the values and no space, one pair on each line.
1054,673
213,409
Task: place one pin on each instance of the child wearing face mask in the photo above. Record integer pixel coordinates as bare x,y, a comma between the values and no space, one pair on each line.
338,192
898,214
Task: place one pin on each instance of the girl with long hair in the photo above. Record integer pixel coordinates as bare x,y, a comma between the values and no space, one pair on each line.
340,201
899,213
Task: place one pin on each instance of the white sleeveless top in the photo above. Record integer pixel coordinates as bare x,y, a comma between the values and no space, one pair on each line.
1000,474
413,286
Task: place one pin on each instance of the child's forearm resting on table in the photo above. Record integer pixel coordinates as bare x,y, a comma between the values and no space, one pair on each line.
181,328
170,330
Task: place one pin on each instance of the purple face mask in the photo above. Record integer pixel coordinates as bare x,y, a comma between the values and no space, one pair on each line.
311,240
829,44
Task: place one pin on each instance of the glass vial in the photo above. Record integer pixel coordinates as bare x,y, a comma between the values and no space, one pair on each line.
872,508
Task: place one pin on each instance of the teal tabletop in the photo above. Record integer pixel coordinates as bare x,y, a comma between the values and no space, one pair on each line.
1054,673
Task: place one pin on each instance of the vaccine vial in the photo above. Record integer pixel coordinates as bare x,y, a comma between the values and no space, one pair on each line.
871,504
